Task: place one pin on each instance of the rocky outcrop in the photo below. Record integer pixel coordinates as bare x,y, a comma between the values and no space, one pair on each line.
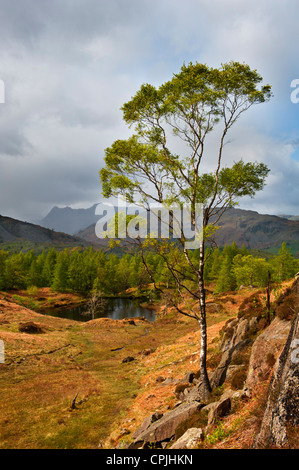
147,423
265,351
234,340
218,410
282,409
249,348
163,429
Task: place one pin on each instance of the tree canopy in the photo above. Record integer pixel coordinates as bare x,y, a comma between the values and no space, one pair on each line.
150,167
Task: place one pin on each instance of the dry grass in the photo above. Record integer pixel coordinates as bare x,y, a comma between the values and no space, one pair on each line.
44,372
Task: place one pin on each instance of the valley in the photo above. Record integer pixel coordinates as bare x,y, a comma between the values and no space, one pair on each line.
73,387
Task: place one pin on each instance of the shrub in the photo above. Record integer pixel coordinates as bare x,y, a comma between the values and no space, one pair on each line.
32,291
238,379
251,307
218,434
286,309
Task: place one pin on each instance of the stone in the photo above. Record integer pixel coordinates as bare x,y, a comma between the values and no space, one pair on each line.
188,378
282,407
190,439
147,352
147,422
218,410
270,341
128,359
231,369
180,390
164,429
219,374
160,379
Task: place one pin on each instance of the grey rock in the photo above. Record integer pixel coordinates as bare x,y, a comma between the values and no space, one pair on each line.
282,408
218,410
189,440
219,375
128,359
147,422
270,341
164,429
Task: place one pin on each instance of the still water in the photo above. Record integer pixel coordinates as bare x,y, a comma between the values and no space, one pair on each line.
117,309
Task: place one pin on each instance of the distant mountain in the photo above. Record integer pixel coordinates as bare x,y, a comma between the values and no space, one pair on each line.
254,230
289,217
12,230
69,220
257,231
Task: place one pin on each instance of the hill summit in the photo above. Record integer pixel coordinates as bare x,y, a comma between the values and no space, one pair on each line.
68,220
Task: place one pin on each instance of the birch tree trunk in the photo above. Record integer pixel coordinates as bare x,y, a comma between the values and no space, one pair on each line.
206,387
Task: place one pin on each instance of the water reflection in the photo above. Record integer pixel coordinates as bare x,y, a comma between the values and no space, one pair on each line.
116,309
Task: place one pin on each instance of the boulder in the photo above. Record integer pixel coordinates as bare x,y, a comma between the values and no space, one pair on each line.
195,393
164,428
267,346
181,390
235,338
128,359
218,410
219,374
190,439
188,378
147,422
231,370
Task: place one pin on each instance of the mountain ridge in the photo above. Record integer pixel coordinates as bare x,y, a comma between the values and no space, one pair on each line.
13,230
245,227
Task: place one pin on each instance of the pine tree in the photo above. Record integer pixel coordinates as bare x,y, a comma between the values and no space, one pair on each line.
33,277
49,266
284,264
216,263
226,280
60,279
250,271
3,257
15,272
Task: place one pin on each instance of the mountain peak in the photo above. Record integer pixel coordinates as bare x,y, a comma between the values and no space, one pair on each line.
69,220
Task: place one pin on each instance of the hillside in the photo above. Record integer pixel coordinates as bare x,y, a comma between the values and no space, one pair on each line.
98,399
254,230
257,231
14,231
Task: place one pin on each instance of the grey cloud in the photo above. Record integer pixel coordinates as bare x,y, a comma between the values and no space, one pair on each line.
69,66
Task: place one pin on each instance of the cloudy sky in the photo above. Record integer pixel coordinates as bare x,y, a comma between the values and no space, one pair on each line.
69,65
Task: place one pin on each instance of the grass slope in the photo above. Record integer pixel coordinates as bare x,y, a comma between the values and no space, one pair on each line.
43,373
